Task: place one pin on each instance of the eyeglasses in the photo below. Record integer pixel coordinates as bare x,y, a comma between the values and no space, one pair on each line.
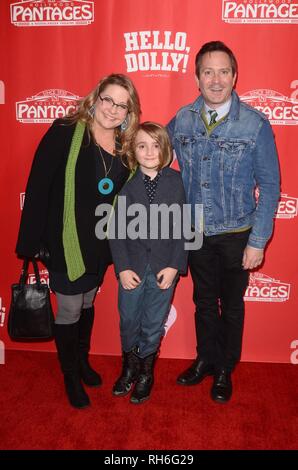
108,103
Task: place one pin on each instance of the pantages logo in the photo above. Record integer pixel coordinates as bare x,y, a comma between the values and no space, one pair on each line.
44,277
156,51
52,13
260,11
263,288
46,106
279,109
287,207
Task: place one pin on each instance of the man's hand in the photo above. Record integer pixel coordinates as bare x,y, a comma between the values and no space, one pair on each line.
129,279
252,257
165,277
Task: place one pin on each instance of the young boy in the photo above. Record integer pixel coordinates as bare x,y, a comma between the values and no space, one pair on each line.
148,263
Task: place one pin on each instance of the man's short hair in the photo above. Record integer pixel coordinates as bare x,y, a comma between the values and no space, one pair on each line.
214,46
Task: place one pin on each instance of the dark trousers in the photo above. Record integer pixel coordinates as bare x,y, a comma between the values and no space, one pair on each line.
219,287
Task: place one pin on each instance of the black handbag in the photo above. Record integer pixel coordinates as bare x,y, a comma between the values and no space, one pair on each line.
30,314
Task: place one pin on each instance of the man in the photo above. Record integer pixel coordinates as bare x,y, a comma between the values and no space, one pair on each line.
225,150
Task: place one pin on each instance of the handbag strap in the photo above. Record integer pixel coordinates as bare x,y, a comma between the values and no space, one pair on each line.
24,273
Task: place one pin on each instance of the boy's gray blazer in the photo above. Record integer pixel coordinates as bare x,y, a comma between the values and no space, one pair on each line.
136,254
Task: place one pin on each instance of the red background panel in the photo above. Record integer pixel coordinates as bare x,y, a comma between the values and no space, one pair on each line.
49,59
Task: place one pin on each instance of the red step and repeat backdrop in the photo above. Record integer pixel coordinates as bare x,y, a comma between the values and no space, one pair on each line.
52,52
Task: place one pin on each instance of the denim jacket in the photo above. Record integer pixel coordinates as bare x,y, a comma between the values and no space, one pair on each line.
222,169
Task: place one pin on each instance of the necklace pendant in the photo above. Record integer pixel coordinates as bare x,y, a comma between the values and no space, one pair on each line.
105,186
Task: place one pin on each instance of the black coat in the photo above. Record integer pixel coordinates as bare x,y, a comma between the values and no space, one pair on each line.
42,217
158,253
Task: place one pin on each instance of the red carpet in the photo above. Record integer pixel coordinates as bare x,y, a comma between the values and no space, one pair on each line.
34,412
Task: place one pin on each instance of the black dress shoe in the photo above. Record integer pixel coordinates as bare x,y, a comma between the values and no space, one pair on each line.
195,373
221,390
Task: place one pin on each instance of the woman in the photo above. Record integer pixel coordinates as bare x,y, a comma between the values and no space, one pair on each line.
78,165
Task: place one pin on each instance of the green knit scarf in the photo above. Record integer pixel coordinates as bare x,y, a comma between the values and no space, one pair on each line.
72,251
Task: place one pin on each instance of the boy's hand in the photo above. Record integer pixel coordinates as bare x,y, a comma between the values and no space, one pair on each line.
129,279
165,277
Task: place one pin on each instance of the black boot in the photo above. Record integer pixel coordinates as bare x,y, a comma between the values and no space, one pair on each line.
67,343
144,384
88,375
129,374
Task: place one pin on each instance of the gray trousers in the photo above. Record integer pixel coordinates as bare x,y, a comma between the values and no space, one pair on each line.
70,306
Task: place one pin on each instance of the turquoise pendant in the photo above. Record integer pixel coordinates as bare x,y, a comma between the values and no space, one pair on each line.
105,186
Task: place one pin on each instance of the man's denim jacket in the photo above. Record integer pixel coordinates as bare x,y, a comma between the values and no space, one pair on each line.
222,170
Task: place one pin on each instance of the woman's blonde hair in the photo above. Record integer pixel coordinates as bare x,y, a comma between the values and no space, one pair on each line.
158,133
86,105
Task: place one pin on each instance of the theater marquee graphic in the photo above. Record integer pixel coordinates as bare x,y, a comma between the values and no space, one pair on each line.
280,110
52,13
260,11
263,288
46,106
157,52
